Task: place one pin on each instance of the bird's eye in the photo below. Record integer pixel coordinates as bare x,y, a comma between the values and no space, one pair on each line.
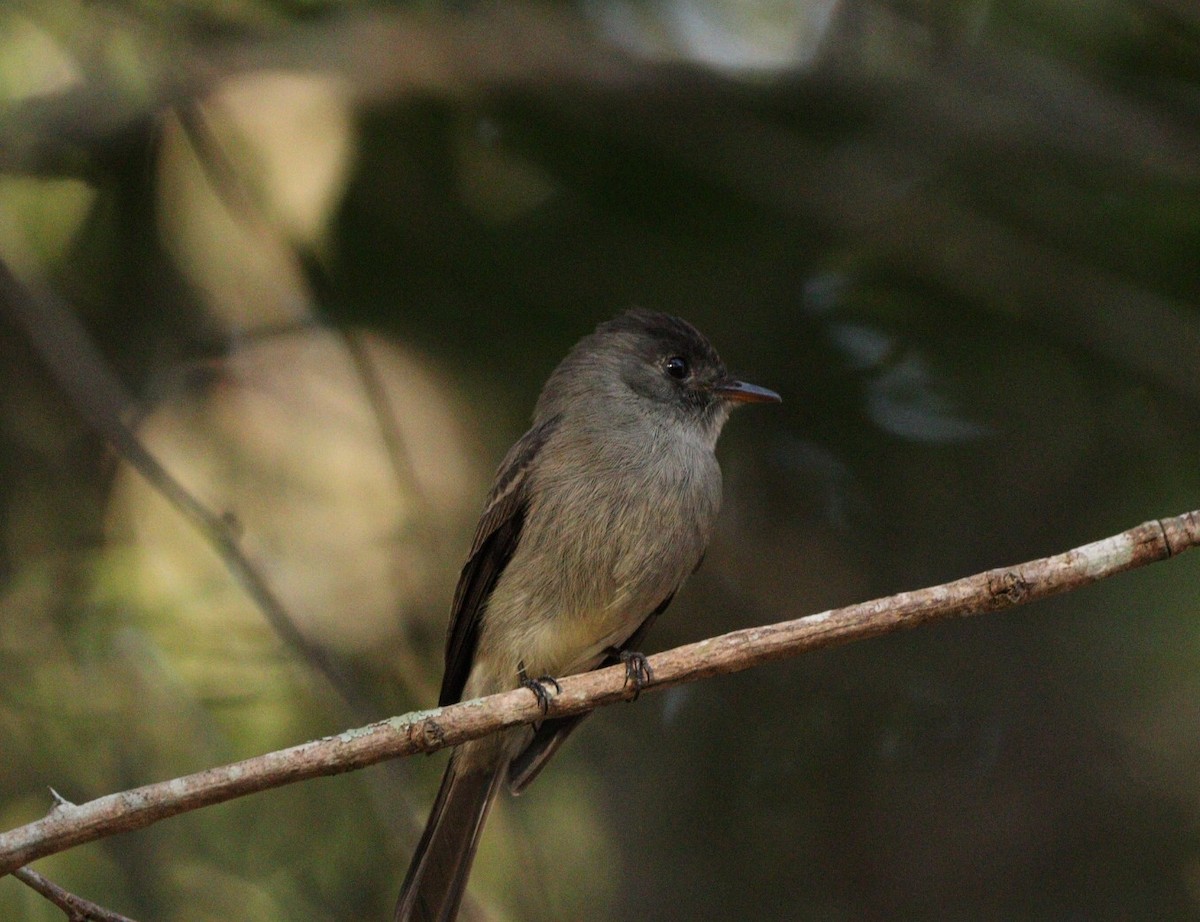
677,367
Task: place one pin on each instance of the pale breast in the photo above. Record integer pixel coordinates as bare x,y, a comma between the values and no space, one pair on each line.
608,536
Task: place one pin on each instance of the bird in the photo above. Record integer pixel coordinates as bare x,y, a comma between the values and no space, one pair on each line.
595,518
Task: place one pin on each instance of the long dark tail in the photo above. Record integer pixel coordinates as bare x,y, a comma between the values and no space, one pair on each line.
437,876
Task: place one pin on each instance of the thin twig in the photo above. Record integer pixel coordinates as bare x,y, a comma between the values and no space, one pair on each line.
426,731
76,907
94,391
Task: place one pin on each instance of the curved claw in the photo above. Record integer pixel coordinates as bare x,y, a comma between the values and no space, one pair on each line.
637,671
539,687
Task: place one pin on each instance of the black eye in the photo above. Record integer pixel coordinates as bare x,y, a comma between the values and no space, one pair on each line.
677,367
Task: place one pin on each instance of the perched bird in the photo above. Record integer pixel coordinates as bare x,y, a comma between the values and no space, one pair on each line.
596,516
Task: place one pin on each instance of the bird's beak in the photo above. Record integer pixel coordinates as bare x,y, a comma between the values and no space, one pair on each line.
741,392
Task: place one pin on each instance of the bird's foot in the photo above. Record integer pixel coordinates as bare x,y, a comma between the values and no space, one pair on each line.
637,671
539,687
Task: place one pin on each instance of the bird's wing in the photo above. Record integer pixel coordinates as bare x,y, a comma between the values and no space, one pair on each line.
496,539
551,734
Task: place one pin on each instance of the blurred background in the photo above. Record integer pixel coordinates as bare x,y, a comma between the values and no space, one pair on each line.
319,255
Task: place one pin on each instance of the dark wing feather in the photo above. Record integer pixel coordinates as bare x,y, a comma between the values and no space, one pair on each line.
551,734
496,539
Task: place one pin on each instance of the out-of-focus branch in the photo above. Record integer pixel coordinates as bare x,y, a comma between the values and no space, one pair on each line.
94,391
885,190
377,55
76,907
68,825
996,94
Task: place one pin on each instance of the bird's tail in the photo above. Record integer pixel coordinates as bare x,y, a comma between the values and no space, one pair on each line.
441,864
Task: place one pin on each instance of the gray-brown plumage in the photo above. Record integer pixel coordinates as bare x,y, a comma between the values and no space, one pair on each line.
597,515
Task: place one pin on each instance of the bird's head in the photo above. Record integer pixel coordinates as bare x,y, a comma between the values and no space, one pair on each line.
653,364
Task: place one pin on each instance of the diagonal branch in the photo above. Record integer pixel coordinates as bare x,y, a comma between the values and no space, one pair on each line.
67,825
73,360
76,907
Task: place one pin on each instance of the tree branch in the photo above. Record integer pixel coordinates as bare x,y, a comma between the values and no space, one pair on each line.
76,907
90,385
67,825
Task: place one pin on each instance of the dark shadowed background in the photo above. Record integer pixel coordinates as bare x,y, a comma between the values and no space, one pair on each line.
330,250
